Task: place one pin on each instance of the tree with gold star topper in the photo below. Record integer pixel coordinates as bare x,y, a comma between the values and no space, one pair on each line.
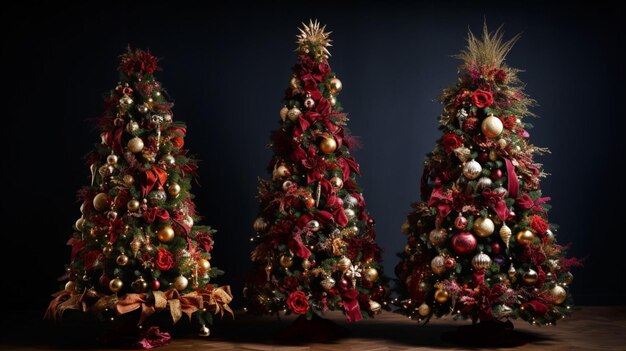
315,242
136,246
480,245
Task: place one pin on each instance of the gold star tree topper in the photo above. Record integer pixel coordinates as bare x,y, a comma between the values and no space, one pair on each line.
314,40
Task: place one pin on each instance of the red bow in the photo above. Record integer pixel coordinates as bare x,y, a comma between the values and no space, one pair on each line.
152,213
297,246
525,202
443,201
151,177
496,202
351,305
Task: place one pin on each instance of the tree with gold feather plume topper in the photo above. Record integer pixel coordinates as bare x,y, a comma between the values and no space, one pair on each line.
480,245
315,242
136,245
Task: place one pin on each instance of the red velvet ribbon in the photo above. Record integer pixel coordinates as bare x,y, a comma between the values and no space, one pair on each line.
525,202
496,202
152,177
442,201
113,138
351,305
297,246
512,182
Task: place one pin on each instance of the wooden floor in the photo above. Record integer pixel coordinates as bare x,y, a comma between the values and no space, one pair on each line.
589,328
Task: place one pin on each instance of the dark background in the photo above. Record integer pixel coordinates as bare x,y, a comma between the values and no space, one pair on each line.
228,65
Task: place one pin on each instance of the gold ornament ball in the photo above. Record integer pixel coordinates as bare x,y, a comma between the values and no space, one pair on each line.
481,261
328,283
293,114
569,278
107,250
491,126
140,285
344,264
333,100
472,170
180,283
314,225
282,171
283,113
306,264
423,310
133,205
328,145
525,237
132,127
336,182
370,274
80,224
349,213
112,159
502,143
286,261
128,180
374,306
259,225
483,227
530,277
101,202
294,83
204,265
166,234
70,286
559,294
122,260
116,285
173,189
441,296
335,86
135,145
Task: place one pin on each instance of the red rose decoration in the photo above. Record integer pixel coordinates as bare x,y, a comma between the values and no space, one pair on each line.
298,302
164,260
482,98
451,141
538,224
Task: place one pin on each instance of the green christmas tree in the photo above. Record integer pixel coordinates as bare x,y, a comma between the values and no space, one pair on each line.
480,245
136,245
315,243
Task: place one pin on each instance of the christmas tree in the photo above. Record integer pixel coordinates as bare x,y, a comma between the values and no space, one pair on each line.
315,242
136,245
480,245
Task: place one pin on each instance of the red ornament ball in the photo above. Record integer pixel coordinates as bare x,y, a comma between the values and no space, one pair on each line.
156,285
343,284
104,280
460,222
483,157
464,243
449,263
495,248
496,174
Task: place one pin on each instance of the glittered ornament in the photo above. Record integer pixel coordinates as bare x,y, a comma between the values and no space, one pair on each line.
294,113
483,227
370,274
335,86
505,234
492,126
286,261
437,264
259,225
166,234
441,296
472,170
530,276
135,145
116,285
525,237
423,310
481,261
463,243
460,222
437,237
128,180
156,197
313,225
180,283
328,145
328,283
101,202
344,264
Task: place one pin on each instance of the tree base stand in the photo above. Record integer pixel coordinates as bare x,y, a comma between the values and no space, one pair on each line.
317,329
487,334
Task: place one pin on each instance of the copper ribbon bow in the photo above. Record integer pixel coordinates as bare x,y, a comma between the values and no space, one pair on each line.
63,301
217,299
151,177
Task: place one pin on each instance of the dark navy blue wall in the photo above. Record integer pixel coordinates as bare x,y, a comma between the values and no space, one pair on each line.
228,66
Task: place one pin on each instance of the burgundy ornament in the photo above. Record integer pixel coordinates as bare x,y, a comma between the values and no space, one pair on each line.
483,157
464,243
495,248
449,263
460,222
156,285
496,174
